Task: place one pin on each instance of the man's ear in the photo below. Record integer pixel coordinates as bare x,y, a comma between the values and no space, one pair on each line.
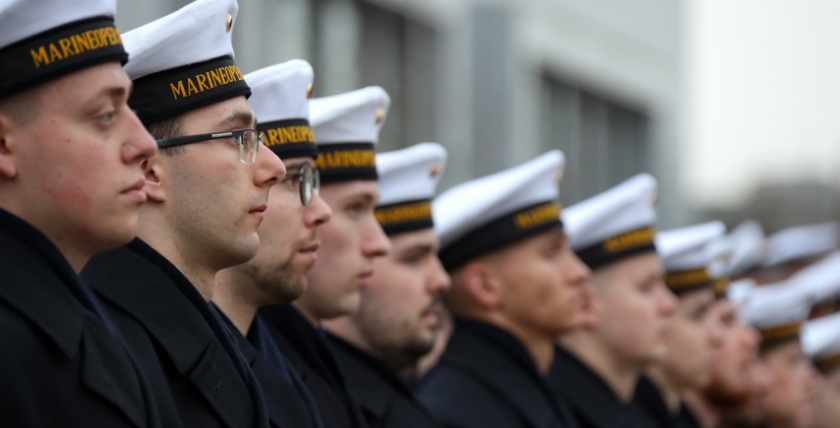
8,169
481,285
155,170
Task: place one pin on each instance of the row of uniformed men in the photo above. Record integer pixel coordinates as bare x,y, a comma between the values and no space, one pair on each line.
556,315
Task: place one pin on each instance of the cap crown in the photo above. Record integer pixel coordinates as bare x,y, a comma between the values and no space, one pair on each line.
281,91
688,247
198,32
410,174
351,117
21,19
801,241
748,247
821,337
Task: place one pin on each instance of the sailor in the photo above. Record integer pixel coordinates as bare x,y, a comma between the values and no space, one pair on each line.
516,286
821,342
208,188
598,365
748,250
778,311
693,334
401,312
288,241
346,128
822,282
789,250
70,162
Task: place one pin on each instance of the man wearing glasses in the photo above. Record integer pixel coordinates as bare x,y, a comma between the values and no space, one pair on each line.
207,188
288,241
347,128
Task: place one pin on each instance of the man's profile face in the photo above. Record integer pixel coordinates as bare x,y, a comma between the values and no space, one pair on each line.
634,307
790,402
349,243
401,313
545,285
826,408
289,239
77,159
731,376
215,202
693,337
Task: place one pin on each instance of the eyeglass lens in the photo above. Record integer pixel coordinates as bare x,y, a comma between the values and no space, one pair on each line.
249,144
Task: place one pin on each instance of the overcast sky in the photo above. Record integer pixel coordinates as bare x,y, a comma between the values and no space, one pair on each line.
762,96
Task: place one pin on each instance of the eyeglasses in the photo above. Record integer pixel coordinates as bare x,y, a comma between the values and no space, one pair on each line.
248,140
310,182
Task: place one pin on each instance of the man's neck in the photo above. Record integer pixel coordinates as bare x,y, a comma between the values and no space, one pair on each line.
157,235
307,313
230,297
620,376
539,345
706,414
668,390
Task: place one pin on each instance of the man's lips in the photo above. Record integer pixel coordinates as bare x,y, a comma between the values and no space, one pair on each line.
136,191
258,211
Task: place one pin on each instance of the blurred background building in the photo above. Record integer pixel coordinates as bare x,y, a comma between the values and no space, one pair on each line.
621,86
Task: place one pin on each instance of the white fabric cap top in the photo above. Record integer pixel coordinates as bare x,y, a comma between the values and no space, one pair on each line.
800,242
614,224
22,19
688,247
407,182
739,291
280,99
281,91
821,279
776,310
198,32
748,247
351,117
492,211
720,250
410,174
821,341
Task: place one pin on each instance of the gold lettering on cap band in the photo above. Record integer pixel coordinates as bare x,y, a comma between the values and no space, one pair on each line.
204,81
387,216
288,135
719,286
537,216
782,332
687,278
627,241
347,159
76,44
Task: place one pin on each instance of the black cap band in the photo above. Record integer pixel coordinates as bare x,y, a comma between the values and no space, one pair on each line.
346,162
720,286
618,247
179,90
779,335
686,281
509,228
289,138
58,52
405,216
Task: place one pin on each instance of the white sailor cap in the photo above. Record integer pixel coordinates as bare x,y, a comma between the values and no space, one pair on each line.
822,278
821,342
184,61
739,291
748,247
614,224
280,99
407,182
494,211
777,311
720,250
43,40
799,242
347,129
686,255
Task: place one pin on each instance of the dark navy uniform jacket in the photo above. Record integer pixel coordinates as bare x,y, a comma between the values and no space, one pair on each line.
648,401
188,354
62,362
306,347
289,403
486,379
386,399
592,402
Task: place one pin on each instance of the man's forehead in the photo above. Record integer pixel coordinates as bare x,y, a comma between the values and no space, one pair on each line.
353,189
297,162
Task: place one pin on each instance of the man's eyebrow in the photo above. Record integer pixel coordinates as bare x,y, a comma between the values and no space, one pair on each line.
238,119
422,248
